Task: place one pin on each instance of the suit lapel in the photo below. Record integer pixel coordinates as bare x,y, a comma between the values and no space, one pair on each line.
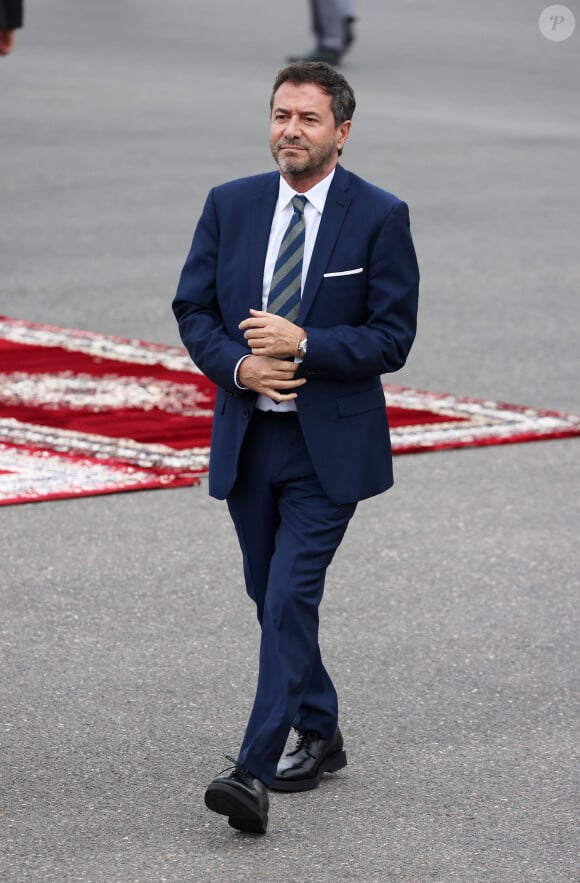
335,209
262,207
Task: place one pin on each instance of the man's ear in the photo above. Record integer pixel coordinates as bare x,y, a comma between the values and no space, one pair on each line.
342,132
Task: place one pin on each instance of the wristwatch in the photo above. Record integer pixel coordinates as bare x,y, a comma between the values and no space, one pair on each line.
302,347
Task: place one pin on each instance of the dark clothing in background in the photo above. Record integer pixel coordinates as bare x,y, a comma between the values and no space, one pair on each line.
11,14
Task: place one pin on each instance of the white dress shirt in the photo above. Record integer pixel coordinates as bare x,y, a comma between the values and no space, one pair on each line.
282,214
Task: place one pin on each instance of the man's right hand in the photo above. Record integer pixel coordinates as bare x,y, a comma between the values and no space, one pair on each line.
272,377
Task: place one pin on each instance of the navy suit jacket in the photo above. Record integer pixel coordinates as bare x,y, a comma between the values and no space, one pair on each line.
359,325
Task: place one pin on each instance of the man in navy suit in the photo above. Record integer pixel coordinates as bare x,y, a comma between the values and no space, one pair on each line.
299,291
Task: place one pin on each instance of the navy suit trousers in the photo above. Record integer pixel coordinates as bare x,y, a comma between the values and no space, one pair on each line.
288,532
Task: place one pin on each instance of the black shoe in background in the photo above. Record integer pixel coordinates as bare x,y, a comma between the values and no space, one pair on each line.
321,53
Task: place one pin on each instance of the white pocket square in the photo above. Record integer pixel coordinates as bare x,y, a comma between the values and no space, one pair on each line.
344,273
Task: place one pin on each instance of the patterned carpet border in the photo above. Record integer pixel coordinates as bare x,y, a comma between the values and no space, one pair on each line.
83,413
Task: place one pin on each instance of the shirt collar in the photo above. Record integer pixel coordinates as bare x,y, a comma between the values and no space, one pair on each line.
316,195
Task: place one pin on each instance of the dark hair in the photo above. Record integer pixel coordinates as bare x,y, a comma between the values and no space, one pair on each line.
330,81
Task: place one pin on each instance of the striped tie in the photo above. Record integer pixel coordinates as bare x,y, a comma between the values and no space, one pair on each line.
284,297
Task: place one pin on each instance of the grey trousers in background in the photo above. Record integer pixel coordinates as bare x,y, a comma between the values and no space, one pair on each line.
328,20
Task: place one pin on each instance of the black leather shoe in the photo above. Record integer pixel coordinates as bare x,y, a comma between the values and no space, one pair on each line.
301,769
321,53
241,797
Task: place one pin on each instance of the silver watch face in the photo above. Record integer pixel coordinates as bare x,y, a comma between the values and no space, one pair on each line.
302,347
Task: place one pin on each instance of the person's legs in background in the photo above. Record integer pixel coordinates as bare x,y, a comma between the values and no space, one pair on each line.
332,23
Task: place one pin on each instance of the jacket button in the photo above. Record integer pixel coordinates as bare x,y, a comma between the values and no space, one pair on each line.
246,414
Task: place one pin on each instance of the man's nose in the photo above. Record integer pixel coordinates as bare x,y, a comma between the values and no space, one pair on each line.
293,129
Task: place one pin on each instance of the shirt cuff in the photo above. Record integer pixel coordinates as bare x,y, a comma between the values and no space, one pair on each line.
237,368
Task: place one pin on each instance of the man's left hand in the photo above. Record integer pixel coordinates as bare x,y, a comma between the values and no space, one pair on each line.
271,335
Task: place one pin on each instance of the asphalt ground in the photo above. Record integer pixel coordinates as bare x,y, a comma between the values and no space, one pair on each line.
450,620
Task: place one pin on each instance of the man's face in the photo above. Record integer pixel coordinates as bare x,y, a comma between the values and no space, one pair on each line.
304,138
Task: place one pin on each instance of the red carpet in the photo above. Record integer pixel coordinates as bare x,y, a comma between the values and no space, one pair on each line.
82,414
